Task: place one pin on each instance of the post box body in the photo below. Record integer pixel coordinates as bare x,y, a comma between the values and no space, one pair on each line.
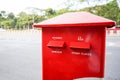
71,61
73,46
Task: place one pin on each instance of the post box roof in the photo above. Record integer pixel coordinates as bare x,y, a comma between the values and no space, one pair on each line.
76,19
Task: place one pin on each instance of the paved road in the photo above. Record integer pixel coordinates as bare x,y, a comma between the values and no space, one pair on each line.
113,58
20,56
20,59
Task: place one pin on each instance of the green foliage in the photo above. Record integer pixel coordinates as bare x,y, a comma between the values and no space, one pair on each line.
61,11
8,23
110,11
11,16
49,11
81,0
22,21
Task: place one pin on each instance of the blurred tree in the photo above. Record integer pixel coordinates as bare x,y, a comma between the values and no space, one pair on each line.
7,20
8,24
49,13
3,13
110,11
22,20
63,10
11,16
25,21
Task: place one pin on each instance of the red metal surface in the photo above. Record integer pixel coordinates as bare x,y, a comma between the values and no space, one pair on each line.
67,63
83,38
78,19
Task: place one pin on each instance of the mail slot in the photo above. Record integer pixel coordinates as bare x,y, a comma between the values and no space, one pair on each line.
79,45
58,44
73,46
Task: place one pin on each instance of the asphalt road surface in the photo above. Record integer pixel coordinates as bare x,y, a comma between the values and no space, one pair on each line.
20,57
112,66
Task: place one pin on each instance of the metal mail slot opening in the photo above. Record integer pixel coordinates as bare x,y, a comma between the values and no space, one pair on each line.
80,45
56,44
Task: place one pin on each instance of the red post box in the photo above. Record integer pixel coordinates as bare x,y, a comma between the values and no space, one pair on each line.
73,46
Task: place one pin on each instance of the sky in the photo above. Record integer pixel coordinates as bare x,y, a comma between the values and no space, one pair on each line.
17,6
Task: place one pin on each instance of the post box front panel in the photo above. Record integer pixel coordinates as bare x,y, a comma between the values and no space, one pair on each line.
70,53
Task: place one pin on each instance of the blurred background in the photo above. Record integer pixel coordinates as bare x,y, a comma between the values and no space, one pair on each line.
20,42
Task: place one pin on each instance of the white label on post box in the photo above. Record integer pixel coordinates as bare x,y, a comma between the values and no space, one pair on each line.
57,38
80,38
82,53
86,54
75,52
56,51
